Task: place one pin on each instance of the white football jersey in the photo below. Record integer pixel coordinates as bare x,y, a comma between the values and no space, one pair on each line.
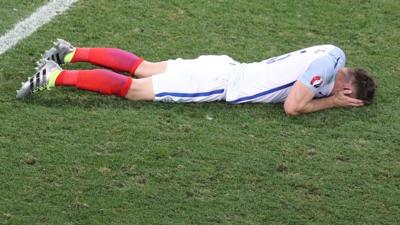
271,80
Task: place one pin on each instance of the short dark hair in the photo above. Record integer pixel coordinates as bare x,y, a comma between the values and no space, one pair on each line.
364,84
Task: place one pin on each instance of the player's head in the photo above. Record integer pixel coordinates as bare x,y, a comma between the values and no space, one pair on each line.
359,81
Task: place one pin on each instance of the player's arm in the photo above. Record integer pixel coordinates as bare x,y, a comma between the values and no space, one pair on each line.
301,100
301,97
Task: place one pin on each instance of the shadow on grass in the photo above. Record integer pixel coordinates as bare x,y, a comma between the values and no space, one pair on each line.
70,98
76,98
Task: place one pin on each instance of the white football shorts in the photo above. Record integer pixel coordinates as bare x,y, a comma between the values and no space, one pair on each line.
204,79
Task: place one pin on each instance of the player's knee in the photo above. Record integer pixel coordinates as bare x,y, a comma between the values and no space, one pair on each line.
141,89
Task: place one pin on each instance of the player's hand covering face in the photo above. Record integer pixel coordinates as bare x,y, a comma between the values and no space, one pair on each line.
342,99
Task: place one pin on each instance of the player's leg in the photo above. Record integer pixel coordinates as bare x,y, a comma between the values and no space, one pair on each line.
112,58
108,83
141,89
118,60
103,81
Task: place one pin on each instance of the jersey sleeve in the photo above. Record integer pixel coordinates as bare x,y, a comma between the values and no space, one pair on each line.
321,71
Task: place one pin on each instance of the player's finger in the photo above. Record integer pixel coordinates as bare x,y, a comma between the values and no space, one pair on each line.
347,92
353,100
357,105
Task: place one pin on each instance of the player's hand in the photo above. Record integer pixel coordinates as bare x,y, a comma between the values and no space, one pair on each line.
342,99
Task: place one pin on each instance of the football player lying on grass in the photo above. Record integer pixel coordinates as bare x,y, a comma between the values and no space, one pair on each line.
307,80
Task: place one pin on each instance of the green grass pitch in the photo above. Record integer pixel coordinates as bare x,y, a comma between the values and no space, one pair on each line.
73,157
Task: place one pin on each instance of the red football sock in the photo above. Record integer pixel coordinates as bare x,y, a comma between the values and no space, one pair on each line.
100,80
113,58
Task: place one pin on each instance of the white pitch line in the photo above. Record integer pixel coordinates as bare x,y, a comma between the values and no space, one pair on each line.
29,25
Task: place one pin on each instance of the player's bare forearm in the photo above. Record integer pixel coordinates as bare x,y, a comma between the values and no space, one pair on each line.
301,100
339,100
315,105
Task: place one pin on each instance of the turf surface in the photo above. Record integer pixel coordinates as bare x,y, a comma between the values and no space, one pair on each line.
13,11
72,157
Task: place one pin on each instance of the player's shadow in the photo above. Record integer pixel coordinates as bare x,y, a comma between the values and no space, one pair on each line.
259,113
87,100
